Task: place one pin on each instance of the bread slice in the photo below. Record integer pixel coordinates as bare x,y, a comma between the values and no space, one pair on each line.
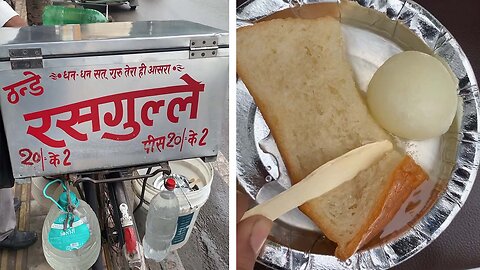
299,76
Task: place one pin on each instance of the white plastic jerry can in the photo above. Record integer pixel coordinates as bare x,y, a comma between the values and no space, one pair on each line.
70,240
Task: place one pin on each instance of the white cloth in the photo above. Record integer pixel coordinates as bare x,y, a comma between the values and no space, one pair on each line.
6,12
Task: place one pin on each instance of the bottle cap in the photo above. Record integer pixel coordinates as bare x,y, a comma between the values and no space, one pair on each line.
63,200
170,184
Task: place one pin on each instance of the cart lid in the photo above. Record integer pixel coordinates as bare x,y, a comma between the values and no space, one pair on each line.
108,38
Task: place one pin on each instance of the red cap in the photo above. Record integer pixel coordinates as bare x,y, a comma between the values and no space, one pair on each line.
170,184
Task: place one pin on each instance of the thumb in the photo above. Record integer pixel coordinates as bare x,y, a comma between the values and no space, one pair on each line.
251,235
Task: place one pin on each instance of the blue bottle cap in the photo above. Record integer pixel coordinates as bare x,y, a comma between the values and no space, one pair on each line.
63,201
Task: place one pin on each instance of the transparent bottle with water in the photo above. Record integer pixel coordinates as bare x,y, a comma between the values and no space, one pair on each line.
73,244
161,223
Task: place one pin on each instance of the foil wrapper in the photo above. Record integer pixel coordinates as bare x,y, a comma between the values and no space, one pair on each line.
373,30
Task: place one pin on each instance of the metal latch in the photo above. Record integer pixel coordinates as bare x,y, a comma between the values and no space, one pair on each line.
26,58
203,47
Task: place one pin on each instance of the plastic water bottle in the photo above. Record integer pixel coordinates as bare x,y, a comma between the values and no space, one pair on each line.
59,15
76,247
161,223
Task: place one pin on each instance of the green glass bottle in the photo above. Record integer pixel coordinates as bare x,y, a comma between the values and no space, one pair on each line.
59,15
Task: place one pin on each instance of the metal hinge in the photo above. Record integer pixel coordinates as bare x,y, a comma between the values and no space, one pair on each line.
26,58
203,47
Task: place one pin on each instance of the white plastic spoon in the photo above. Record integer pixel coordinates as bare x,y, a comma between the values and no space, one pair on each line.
323,179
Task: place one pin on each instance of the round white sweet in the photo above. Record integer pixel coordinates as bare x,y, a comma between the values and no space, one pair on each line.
413,96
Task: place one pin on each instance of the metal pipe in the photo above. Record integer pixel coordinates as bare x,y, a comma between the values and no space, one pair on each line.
116,212
132,245
91,198
142,194
120,179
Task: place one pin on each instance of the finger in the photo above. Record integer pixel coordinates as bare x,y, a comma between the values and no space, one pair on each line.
243,203
251,235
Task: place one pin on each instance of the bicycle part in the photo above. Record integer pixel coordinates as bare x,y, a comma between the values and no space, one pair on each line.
116,213
80,192
77,179
132,248
142,194
112,229
120,229
91,199
105,219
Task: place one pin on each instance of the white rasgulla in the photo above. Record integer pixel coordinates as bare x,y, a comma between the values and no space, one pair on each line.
413,96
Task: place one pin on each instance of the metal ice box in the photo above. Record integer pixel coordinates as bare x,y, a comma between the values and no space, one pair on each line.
100,96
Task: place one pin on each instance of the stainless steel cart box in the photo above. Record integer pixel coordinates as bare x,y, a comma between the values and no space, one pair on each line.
99,96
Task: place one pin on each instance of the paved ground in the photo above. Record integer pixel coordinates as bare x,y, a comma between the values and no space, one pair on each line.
208,244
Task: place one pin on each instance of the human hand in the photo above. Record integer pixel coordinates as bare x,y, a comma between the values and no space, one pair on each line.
251,234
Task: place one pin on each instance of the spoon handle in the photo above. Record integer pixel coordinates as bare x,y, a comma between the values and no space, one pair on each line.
323,179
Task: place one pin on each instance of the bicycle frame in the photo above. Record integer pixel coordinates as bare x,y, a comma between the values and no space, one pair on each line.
124,223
